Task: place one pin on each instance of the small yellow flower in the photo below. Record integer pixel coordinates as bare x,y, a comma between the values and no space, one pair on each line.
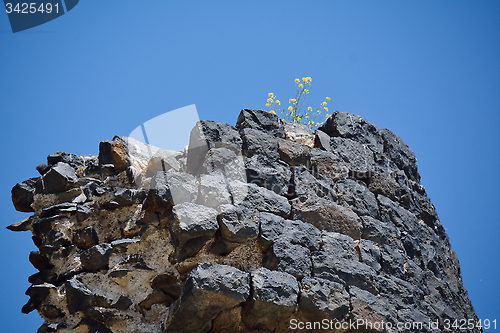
292,100
270,94
301,85
306,91
327,98
309,108
310,122
323,104
307,117
328,115
278,102
273,112
307,79
267,104
269,100
290,108
326,109
317,124
297,80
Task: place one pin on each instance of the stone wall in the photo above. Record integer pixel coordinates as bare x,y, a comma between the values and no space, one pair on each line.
260,227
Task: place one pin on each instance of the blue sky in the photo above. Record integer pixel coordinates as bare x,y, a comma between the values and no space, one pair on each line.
427,70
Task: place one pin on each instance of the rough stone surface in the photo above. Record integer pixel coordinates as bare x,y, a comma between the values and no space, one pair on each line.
250,229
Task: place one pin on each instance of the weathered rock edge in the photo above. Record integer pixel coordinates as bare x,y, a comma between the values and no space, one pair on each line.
254,228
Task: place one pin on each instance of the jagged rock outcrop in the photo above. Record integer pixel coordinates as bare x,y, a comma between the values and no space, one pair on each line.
263,227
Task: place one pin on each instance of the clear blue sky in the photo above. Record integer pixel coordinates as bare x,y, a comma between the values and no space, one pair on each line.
427,70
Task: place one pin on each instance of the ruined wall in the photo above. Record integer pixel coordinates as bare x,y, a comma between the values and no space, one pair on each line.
257,227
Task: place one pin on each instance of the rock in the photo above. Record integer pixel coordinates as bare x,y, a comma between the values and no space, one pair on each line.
61,177
39,260
123,303
209,289
65,208
328,164
369,309
385,185
156,297
122,245
127,197
96,257
291,258
357,197
351,126
294,153
299,133
262,121
50,311
369,253
400,154
206,135
22,195
265,172
47,328
168,282
169,188
73,195
258,143
163,160
348,272
358,158
312,186
213,191
79,297
183,186
322,140
216,238
192,227
225,162
42,168
105,315
271,228
124,153
304,234
75,161
37,293
238,223
338,245
85,238
327,215
23,225
253,196
273,299
322,299
91,326
379,232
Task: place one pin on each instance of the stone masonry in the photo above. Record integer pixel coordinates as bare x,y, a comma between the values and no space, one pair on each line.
263,227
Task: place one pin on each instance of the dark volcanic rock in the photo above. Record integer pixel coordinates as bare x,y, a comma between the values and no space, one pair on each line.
207,135
22,195
273,299
59,178
210,288
238,223
192,227
250,229
320,299
262,121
